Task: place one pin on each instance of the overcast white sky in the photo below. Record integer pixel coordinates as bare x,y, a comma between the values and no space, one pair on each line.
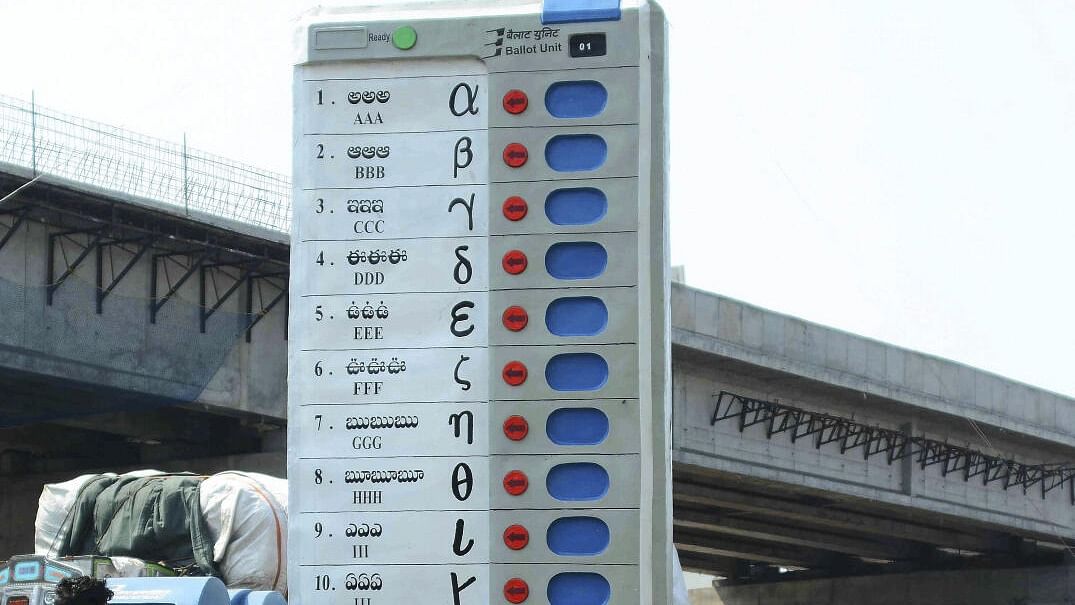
902,170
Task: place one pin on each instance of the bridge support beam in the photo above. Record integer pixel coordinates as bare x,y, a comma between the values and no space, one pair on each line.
52,283
1026,586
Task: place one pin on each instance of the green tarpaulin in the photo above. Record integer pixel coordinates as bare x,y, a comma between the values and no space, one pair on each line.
153,518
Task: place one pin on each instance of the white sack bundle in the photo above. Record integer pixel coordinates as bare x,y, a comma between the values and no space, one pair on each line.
246,514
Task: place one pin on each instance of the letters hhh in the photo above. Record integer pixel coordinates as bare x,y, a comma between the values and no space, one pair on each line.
367,497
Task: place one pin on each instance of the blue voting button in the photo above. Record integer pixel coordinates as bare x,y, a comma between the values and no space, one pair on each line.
578,536
576,260
576,206
579,588
575,152
576,316
576,99
577,481
576,372
577,11
577,426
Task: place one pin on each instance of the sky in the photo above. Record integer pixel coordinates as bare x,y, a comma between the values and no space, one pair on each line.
900,170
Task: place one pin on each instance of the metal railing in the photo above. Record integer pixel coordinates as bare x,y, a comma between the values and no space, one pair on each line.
53,143
890,444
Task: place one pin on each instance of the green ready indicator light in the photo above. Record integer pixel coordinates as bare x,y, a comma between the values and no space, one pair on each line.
404,38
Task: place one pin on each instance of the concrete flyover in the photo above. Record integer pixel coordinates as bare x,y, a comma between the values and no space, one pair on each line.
804,454
143,315
133,335
130,297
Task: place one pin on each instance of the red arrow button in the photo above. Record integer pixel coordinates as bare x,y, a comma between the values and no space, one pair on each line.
514,208
514,262
515,318
516,537
516,590
515,101
515,155
515,483
516,428
514,373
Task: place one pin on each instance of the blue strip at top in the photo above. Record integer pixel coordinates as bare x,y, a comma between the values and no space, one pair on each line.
577,11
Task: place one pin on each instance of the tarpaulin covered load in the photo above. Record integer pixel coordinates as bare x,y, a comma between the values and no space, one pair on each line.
244,516
55,506
157,518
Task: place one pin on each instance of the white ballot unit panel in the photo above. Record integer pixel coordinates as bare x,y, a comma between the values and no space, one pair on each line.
479,363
